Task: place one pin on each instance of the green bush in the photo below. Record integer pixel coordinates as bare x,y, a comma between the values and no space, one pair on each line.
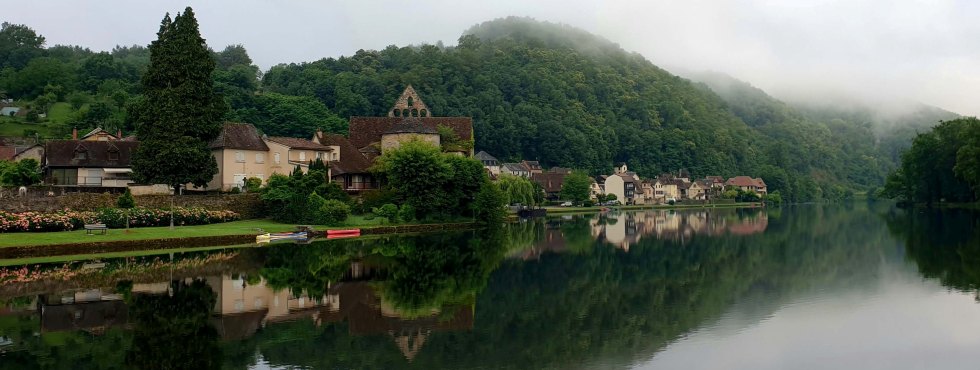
253,184
332,212
388,211
312,210
406,213
126,200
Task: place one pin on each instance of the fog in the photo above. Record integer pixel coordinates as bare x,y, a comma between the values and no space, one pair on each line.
873,50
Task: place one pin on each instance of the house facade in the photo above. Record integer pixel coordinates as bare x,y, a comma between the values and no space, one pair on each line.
490,163
515,169
240,153
746,183
80,163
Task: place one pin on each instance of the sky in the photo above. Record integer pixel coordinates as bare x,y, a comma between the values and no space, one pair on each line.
872,50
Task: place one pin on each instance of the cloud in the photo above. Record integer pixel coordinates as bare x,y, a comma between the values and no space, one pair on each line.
876,49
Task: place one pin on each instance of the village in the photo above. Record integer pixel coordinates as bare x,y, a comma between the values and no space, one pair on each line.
100,161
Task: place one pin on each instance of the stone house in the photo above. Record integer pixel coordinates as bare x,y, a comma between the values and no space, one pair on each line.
409,118
551,182
533,167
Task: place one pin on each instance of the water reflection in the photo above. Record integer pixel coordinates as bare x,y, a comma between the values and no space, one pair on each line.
594,291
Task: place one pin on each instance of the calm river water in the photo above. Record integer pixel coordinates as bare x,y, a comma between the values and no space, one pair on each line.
807,287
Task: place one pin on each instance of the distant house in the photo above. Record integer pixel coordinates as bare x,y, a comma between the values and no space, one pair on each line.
515,169
348,166
595,190
562,170
625,185
489,162
240,153
532,166
289,152
746,183
551,182
89,163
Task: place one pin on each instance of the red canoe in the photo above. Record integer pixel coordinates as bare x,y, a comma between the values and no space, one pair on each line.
344,232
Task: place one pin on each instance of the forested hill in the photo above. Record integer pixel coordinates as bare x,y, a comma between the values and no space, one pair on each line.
848,141
536,91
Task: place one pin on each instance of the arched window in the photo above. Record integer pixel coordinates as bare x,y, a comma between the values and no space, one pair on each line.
411,102
398,112
424,113
415,112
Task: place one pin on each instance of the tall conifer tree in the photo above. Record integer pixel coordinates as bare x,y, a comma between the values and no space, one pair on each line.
180,113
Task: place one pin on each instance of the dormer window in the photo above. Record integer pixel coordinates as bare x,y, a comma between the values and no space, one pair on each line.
113,155
80,154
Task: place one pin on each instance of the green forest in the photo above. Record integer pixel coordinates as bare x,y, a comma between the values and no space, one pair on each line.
536,91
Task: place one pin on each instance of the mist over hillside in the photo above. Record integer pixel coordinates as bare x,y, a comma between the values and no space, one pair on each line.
536,91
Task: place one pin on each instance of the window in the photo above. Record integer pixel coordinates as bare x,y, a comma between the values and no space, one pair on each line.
302,156
259,157
276,156
113,155
239,156
318,155
81,154
334,155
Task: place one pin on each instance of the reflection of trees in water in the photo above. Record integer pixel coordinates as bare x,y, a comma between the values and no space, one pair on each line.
606,306
945,244
172,330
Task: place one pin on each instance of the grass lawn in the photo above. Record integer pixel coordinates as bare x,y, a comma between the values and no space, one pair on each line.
59,112
13,128
142,233
244,227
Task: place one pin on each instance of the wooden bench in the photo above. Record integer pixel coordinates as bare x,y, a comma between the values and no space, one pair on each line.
90,228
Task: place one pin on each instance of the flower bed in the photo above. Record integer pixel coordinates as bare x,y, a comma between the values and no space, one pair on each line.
111,217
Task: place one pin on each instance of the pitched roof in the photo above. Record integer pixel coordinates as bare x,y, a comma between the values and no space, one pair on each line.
515,167
551,182
484,156
96,131
351,159
367,130
531,165
745,181
239,136
297,143
560,170
61,153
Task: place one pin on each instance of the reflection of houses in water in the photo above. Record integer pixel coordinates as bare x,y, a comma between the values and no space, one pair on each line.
241,309
90,310
625,229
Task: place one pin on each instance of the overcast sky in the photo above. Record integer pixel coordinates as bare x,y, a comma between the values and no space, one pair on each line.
927,51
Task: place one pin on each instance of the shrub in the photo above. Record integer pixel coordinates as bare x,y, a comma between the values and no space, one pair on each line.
236,190
332,212
388,211
313,204
406,213
253,184
126,200
489,204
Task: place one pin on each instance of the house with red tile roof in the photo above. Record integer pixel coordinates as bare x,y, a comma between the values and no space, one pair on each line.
746,183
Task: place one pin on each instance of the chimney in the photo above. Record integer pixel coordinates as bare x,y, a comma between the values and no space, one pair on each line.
74,133
119,134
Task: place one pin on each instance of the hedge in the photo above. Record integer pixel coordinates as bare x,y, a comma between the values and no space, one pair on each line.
111,217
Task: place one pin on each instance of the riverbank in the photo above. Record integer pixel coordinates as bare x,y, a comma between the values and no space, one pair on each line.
28,245
561,210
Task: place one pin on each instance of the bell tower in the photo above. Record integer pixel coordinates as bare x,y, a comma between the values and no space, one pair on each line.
409,105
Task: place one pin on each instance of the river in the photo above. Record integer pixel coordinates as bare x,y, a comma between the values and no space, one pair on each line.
852,286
